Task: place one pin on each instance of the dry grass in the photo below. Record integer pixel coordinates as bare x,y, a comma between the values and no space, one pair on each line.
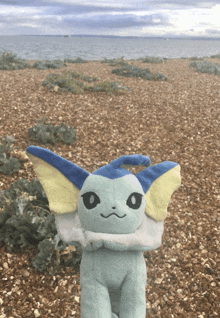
177,120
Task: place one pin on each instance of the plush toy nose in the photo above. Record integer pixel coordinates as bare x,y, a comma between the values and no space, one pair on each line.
113,207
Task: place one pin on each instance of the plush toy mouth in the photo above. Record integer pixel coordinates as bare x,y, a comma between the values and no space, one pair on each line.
114,214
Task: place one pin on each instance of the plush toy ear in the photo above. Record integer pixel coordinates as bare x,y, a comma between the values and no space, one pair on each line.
159,182
60,178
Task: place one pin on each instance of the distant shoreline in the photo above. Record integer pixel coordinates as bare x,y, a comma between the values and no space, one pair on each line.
122,37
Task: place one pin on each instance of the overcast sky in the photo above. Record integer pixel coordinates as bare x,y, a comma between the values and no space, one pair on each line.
172,18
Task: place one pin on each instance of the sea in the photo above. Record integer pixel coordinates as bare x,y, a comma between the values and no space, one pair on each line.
99,47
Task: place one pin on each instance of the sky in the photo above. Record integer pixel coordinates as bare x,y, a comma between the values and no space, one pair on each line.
151,18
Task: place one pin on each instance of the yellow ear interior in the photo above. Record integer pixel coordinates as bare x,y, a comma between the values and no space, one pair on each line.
62,194
160,192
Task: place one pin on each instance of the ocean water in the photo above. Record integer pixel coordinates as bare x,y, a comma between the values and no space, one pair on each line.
97,48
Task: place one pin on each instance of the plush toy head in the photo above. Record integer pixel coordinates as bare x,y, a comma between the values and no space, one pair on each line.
111,199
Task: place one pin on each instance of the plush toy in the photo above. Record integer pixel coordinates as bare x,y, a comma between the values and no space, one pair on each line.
115,216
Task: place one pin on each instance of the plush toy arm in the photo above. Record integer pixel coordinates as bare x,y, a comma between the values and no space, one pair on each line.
69,228
109,241
147,237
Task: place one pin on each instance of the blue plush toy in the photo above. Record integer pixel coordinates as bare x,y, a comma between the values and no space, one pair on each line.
115,216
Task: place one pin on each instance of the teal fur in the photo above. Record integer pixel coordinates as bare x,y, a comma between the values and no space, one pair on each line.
113,270
116,282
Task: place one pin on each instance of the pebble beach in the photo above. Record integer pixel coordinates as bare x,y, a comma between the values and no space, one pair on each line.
175,120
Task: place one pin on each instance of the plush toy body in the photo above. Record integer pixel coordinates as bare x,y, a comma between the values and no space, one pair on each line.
116,282
115,216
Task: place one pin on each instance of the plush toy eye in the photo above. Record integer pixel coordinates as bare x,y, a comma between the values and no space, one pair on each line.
90,200
134,200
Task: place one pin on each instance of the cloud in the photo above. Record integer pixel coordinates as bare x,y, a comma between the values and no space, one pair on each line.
178,4
127,17
116,4
83,5
11,11
212,31
22,3
116,20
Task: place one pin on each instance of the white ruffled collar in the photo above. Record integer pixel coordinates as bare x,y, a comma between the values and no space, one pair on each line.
147,237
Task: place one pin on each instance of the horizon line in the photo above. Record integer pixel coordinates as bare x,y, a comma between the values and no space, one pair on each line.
120,36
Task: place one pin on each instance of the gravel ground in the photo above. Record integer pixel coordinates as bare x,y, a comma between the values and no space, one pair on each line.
177,120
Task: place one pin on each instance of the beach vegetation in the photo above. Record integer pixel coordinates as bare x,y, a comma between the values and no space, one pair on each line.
10,61
54,64
153,59
110,87
134,71
26,221
47,133
115,61
216,56
76,60
196,58
206,67
8,164
78,84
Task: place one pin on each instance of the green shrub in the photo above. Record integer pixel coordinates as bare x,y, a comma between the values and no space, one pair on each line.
8,164
9,61
73,82
134,71
195,58
95,78
68,81
110,88
115,62
26,221
153,59
76,60
206,67
6,145
216,56
89,79
47,133
55,64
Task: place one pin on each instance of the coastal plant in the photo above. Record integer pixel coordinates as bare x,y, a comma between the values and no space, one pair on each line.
195,58
134,71
110,87
26,222
77,84
67,81
89,79
206,67
47,133
153,59
216,56
8,164
54,64
76,60
115,62
9,61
